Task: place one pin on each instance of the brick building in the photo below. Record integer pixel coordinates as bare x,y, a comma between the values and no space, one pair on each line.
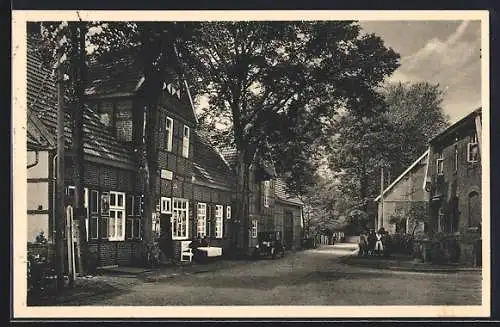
453,180
271,208
195,184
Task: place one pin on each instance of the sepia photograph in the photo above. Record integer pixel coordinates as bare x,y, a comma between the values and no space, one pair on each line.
250,164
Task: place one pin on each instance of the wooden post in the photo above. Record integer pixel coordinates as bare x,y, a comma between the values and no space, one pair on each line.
60,208
71,245
381,217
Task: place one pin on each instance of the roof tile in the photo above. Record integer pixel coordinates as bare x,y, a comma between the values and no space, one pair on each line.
41,98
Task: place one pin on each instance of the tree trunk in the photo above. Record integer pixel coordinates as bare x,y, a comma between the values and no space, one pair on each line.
60,187
78,58
148,196
242,199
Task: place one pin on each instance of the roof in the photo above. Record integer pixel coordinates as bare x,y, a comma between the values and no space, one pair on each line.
120,74
230,155
98,142
281,194
416,162
38,136
457,125
209,164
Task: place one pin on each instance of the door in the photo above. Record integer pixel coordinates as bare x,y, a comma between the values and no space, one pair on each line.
166,243
288,229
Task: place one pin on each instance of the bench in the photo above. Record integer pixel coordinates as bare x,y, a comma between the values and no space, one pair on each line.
186,251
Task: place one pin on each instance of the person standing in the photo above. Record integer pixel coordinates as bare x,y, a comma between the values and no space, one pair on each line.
379,247
363,244
371,241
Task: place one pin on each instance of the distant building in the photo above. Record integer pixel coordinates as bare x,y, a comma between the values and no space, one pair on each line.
453,180
271,207
405,191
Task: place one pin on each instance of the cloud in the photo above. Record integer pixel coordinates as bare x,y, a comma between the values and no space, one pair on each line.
438,58
453,63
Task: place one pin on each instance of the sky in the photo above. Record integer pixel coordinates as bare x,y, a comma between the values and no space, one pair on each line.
444,52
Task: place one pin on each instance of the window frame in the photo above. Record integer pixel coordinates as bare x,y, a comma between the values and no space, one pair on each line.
114,210
134,218
201,220
267,188
219,221
169,132
175,212
254,228
472,142
228,212
165,205
440,164
185,141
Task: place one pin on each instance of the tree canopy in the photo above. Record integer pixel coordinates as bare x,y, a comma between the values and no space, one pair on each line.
278,85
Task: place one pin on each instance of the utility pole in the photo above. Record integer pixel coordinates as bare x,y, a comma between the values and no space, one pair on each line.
381,216
60,205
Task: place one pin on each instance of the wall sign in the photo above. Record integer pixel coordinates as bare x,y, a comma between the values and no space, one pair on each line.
166,174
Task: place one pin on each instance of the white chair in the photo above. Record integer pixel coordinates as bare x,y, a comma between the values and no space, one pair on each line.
186,251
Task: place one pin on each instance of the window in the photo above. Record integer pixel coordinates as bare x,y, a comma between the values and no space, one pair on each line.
219,211
166,205
134,223
185,142
254,228
116,222
106,112
473,149
94,214
202,220
94,202
440,164
266,193
169,124
123,118
180,218
456,158
228,212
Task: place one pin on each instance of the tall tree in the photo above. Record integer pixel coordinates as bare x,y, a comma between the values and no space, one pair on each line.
258,74
415,111
363,144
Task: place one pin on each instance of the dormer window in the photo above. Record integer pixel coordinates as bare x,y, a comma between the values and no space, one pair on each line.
117,116
185,142
473,149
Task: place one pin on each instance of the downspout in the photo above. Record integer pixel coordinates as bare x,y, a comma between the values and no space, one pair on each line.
54,180
36,161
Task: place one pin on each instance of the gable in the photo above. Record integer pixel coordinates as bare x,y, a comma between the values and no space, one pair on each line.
98,142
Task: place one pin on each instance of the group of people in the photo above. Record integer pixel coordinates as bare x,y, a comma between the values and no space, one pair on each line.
373,243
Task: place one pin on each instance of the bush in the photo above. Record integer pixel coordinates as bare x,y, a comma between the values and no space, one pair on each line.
401,244
39,267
